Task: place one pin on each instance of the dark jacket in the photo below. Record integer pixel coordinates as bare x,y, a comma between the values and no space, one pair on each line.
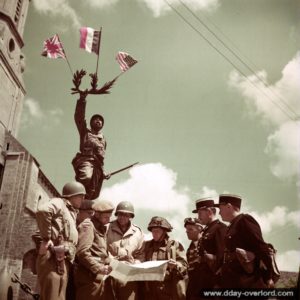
245,233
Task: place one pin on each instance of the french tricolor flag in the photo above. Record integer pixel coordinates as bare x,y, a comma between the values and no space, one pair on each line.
90,39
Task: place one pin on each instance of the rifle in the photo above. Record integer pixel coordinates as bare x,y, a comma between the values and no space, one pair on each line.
25,287
121,170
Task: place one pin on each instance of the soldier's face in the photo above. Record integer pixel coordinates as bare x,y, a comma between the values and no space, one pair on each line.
225,212
204,216
84,214
192,232
123,218
157,233
76,200
97,124
103,217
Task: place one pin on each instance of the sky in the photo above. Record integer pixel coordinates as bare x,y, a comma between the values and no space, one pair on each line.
211,107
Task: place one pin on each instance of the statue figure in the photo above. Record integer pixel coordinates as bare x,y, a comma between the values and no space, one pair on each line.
88,163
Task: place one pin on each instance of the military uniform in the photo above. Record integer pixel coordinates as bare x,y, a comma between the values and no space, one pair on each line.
91,255
173,286
56,219
120,245
244,233
88,163
193,260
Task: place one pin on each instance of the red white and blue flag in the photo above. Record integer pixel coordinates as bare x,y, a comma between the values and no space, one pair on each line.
53,48
125,61
90,39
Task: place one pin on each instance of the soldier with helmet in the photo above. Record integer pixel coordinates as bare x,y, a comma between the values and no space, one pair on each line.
92,261
162,247
211,246
88,163
56,221
194,231
125,241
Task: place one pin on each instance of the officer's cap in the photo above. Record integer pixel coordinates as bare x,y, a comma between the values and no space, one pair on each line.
235,200
204,203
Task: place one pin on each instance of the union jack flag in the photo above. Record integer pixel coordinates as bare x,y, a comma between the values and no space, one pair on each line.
53,48
125,61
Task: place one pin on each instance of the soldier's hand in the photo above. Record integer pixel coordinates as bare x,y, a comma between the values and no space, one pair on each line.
105,270
106,176
172,264
45,245
270,284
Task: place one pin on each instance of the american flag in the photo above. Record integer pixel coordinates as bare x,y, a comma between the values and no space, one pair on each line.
125,61
53,48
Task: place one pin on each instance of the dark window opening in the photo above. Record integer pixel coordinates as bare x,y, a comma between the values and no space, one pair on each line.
1,174
18,10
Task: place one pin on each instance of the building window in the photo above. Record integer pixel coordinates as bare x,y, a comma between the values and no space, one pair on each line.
18,10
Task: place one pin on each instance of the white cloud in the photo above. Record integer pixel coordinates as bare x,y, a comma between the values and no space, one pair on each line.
160,7
33,115
264,100
288,261
151,188
279,218
58,8
284,146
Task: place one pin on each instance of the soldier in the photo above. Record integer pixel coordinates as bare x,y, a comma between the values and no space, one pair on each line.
194,232
161,247
124,240
92,255
244,248
57,224
211,245
88,163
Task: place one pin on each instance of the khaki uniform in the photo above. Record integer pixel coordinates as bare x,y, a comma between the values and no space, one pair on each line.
57,217
91,255
174,285
88,163
121,244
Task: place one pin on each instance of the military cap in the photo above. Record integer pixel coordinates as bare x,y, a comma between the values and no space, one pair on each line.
159,222
204,203
192,221
97,116
102,205
86,205
235,200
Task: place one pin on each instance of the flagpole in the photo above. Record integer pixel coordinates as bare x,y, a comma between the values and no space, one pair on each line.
69,66
98,50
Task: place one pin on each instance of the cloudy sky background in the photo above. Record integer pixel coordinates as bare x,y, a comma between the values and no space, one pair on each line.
205,111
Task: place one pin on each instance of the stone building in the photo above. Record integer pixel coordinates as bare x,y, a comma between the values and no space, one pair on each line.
22,183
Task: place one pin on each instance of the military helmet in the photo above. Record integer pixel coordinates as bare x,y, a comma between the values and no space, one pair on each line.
160,222
102,205
192,221
72,189
125,207
96,116
86,205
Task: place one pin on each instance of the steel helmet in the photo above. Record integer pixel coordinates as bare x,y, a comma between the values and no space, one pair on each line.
125,207
72,189
160,222
96,116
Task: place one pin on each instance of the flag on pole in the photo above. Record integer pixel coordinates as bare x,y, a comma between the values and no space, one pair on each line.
125,61
53,48
90,39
